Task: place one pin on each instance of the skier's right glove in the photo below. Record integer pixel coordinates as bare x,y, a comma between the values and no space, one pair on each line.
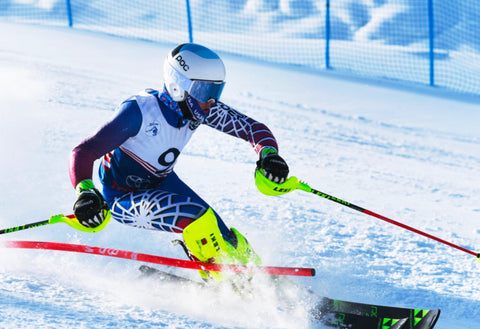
90,208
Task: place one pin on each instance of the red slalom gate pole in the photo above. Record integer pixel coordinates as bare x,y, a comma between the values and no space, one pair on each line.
109,252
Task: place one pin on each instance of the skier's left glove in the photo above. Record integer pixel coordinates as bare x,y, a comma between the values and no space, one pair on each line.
90,208
272,166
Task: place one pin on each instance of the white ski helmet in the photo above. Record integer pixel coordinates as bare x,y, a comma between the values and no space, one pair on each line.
193,70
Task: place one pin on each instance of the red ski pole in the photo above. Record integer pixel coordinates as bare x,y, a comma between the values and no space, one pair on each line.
391,221
270,188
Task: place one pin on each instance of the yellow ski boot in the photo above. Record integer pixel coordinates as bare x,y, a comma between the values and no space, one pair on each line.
206,243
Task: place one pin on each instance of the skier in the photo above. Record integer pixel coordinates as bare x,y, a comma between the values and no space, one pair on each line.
140,145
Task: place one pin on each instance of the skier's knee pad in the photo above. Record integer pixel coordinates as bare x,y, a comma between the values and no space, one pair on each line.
206,243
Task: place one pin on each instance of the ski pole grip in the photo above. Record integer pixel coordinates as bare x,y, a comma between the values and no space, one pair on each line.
267,187
72,221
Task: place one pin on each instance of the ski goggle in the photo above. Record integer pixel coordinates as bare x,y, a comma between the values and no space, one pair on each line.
201,90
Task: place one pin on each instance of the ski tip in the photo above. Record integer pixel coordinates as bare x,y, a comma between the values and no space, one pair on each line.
430,320
313,272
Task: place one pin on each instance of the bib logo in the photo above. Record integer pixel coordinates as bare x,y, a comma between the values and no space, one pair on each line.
152,129
182,63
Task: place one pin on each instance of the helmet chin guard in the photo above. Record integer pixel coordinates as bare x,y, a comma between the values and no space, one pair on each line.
191,109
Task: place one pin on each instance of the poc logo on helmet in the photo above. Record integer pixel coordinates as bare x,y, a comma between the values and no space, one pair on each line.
182,63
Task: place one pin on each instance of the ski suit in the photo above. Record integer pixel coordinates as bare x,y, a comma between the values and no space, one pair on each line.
139,147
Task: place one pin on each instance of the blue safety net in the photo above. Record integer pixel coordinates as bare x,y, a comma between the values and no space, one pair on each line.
423,42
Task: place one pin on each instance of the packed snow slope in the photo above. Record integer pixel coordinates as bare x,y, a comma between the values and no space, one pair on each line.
411,155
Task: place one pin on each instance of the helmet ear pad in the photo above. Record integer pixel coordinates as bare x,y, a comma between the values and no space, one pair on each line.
177,93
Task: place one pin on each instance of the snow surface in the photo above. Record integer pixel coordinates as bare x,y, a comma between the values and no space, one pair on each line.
410,154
